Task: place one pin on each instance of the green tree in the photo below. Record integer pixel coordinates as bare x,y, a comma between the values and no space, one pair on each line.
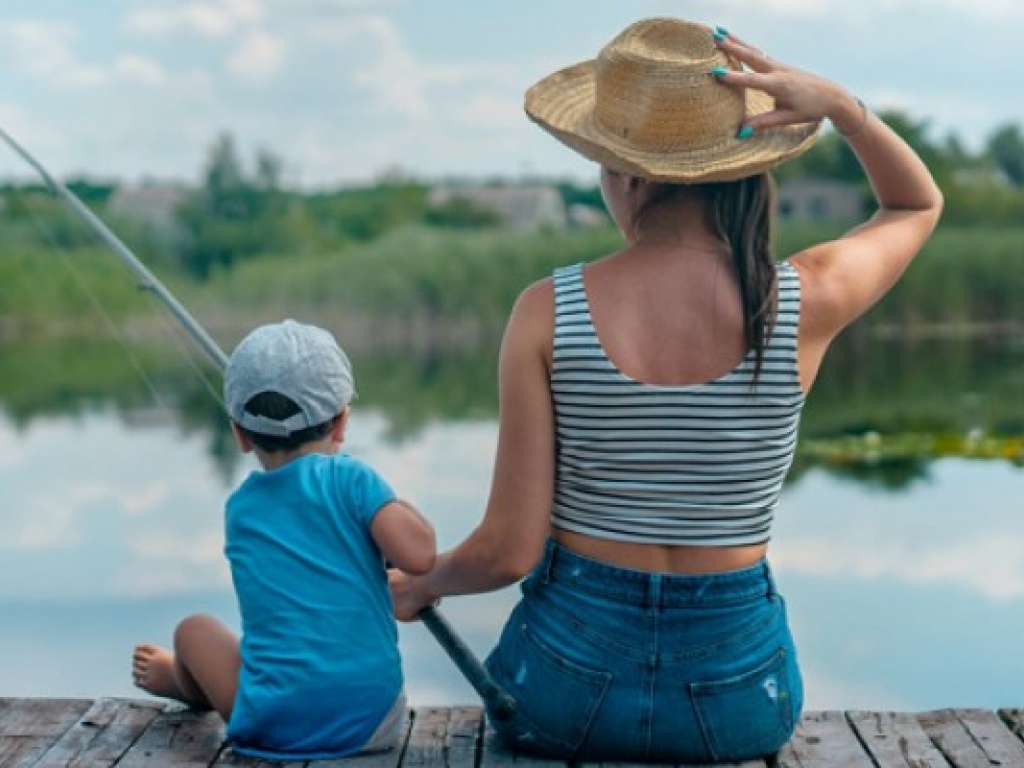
461,212
1006,148
234,214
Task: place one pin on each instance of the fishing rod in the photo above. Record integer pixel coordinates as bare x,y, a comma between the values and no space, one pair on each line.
499,702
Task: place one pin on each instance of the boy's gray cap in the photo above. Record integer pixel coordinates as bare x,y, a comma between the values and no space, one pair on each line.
302,362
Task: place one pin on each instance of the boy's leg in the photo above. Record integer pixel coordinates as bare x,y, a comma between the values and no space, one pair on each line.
201,672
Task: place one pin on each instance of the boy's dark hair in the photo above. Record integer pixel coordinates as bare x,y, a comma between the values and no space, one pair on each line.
276,406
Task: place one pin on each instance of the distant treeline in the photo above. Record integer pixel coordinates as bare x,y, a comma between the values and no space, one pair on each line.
386,260
427,286
239,211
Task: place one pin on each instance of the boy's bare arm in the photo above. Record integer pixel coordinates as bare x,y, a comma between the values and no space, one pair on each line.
405,537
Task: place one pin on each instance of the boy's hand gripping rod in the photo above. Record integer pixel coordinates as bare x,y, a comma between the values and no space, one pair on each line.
498,701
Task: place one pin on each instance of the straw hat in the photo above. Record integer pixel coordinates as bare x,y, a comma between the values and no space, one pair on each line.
649,106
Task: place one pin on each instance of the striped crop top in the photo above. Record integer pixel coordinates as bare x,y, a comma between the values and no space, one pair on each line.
698,465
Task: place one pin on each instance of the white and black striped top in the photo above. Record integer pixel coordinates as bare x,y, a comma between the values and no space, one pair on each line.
699,464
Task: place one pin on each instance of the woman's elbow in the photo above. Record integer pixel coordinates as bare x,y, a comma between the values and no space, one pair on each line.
515,563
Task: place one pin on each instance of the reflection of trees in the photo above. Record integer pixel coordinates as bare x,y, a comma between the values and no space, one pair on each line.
155,384
889,388
415,391
928,386
891,474
143,385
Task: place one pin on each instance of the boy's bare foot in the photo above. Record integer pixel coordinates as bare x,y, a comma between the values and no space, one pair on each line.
153,671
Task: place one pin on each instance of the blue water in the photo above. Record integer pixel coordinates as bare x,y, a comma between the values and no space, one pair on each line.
909,599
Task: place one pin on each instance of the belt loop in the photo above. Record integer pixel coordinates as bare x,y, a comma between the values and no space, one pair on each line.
770,578
654,591
548,569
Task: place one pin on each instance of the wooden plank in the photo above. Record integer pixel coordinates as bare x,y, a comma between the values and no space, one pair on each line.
747,764
1014,719
973,738
992,735
465,732
104,733
390,759
228,757
824,739
896,739
428,739
178,737
494,754
29,727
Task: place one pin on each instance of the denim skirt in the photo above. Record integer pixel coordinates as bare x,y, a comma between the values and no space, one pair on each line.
607,663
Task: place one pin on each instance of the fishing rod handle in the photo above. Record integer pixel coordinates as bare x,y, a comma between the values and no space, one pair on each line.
499,703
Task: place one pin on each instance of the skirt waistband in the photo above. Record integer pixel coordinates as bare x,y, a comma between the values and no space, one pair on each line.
651,589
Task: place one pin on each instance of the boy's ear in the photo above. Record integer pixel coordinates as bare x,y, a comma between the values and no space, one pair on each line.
338,429
244,443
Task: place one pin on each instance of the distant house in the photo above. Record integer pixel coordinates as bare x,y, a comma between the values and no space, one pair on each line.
522,207
586,216
820,200
150,204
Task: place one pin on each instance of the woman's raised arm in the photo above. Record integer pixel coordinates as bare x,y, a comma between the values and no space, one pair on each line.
843,278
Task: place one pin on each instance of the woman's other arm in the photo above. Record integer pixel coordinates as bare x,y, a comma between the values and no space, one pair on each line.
510,539
842,279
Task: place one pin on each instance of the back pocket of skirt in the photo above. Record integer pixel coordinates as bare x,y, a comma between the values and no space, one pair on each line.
747,716
557,698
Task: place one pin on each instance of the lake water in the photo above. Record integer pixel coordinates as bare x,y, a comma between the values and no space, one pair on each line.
905,578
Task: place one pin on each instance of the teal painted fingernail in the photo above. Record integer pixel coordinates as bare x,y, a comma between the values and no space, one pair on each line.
720,33
719,71
745,132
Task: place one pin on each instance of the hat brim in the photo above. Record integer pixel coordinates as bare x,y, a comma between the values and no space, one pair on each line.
563,105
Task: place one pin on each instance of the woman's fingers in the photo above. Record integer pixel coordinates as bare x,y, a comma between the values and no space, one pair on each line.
799,96
753,57
774,119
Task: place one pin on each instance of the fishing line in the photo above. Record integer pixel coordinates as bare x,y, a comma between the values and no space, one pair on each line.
181,340
66,260
499,702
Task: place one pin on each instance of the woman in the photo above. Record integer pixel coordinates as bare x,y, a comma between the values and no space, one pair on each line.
649,404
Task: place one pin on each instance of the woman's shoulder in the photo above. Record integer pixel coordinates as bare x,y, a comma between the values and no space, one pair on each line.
532,319
536,296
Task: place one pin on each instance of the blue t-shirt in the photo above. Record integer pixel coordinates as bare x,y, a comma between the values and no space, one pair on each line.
320,661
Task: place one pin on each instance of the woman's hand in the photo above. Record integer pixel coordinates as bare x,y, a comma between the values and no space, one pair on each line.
800,97
409,594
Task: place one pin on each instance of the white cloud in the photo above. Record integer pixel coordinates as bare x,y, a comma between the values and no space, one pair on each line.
159,578
383,67
138,69
46,524
799,8
212,20
54,519
990,565
44,50
202,548
258,58
992,9
914,539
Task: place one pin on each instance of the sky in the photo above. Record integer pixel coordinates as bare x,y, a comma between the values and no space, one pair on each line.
344,91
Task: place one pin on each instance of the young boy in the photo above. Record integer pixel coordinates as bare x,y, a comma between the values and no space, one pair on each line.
317,672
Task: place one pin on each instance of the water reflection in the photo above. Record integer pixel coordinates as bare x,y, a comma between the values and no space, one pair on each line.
905,578
959,388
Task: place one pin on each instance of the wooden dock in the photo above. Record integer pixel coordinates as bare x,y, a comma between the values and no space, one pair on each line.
130,733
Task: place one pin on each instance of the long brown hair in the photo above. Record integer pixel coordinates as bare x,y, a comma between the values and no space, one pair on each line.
741,215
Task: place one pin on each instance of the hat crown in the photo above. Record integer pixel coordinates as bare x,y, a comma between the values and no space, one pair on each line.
654,89
301,362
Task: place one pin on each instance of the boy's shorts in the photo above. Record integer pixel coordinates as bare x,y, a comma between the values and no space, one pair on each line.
390,729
